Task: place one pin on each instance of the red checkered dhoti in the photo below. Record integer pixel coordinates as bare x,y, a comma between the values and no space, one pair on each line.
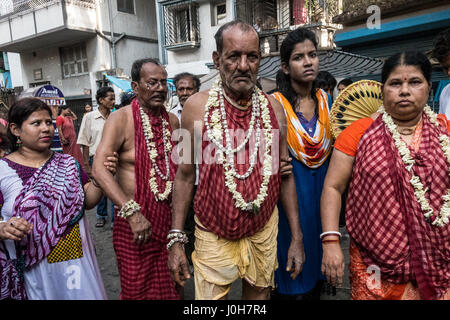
144,270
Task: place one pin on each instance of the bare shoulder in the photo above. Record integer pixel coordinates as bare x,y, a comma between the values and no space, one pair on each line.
279,111
197,101
194,107
173,119
276,105
120,120
118,132
122,112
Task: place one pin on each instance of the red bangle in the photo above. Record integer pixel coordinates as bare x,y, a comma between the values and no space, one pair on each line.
330,241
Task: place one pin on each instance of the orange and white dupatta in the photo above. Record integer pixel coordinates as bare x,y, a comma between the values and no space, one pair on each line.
311,151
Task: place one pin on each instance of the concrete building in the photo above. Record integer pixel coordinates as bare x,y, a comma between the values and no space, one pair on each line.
71,44
381,28
5,74
187,28
10,80
187,31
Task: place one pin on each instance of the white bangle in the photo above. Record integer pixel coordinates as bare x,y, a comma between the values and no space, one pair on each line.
330,232
176,231
176,237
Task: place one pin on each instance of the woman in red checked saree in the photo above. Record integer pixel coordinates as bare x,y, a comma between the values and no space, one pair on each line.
397,210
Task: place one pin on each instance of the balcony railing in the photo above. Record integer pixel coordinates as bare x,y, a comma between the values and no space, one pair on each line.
354,5
273,19
279,14
354,10
8,8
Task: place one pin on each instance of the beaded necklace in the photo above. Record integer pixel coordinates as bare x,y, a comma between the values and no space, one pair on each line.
215,121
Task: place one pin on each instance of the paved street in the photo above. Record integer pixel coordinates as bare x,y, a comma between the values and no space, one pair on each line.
108,267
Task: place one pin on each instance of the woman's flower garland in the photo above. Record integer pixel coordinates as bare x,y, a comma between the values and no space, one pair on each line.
153,153
216,126
443,218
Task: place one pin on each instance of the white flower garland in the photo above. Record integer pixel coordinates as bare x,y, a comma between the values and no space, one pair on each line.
419,191
153,153
217,126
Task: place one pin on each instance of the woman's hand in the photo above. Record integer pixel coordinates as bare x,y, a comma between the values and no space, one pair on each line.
111,163
333,263
15,229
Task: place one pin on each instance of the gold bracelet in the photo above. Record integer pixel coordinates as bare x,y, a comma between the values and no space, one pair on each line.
129,208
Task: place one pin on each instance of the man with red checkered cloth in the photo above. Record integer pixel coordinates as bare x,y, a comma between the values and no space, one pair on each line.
239,184
141,134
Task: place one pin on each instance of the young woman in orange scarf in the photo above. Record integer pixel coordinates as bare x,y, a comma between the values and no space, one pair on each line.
309,139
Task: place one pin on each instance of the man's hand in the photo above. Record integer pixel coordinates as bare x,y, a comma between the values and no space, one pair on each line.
296,258
285,166
178,265
111,163
141,228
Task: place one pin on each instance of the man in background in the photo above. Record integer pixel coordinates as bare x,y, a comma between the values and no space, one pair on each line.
89,137
186,85
327,83
344,83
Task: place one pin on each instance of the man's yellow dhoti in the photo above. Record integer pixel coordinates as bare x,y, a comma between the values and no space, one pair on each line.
218,262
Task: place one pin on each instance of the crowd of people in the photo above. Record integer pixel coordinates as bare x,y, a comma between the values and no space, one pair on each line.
232,183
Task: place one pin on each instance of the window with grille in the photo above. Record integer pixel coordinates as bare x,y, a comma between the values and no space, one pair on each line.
221,13
126,6
259,12
218,12
74,60
181,25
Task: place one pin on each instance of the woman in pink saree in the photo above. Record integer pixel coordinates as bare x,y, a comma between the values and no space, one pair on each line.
46,250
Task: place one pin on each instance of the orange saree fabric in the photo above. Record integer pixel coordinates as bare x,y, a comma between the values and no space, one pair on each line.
366,285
